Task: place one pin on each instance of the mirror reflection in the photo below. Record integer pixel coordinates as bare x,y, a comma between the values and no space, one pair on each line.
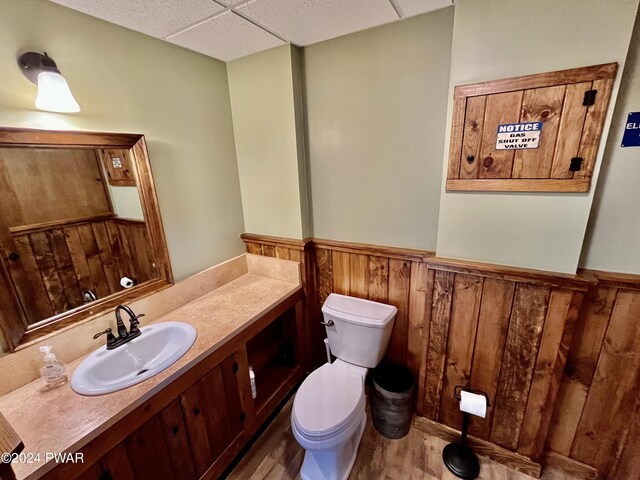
72,229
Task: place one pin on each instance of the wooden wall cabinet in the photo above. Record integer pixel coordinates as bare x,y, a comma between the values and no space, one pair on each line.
119,167
566,107
194,427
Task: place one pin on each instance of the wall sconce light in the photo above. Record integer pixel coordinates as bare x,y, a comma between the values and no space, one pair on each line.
53,91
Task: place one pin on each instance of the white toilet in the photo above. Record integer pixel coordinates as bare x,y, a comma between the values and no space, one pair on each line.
328,415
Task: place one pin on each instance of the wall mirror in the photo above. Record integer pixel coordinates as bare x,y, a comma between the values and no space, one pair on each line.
80,228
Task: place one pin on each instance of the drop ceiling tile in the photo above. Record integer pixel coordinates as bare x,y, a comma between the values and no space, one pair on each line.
305,22
415,7
157,18
226,37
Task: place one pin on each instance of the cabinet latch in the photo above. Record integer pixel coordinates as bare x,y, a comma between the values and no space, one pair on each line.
576,164
589,98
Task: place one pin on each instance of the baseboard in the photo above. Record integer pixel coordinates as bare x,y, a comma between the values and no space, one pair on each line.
572,467
481,447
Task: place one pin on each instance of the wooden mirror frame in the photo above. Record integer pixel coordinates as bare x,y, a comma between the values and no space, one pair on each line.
13,324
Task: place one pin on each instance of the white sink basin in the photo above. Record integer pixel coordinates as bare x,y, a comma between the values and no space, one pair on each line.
157,348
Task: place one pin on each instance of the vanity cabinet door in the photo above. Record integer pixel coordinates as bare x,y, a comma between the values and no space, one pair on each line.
213,413
159,449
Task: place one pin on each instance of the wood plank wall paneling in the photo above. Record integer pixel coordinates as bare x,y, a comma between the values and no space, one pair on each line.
378,277
47,184
493,324
506,337
557,355
465,307
57,265
523,338
596,419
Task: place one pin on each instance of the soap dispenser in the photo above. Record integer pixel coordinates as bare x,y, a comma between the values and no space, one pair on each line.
53,370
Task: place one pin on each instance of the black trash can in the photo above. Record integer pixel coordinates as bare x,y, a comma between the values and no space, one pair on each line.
392,400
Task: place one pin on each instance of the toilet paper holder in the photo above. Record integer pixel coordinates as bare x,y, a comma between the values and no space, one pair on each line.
459,388
457,456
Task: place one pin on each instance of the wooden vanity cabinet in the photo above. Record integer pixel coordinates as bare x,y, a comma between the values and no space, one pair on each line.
196,426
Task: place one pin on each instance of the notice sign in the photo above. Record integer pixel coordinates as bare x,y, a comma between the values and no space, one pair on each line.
631,137
518,136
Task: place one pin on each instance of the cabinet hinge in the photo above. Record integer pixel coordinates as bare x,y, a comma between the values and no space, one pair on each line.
235,367
589,97
576,164
242,416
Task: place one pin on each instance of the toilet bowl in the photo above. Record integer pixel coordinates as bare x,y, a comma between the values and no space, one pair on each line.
328,419
328,416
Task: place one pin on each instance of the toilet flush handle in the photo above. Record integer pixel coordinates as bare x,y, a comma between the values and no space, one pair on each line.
328,323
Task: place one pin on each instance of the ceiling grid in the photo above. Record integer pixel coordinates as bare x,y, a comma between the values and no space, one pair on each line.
230,29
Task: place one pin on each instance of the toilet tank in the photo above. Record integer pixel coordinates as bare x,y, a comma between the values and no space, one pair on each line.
361,328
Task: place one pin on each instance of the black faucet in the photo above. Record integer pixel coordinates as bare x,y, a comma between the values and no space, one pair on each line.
124,335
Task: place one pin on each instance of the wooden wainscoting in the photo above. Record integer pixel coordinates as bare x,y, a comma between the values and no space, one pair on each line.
137,256
395,276
597,415
59,261
506,331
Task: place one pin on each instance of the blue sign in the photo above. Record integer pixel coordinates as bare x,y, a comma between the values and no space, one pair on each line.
631,137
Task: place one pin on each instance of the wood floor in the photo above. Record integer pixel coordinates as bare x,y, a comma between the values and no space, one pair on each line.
277,456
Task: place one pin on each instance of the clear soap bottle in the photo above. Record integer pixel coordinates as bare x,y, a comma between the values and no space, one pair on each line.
53,370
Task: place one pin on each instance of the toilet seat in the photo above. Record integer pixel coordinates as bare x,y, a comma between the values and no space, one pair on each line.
328,402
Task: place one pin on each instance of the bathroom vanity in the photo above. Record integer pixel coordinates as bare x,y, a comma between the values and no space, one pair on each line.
193,418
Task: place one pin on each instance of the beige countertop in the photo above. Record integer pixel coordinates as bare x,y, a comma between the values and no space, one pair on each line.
59,420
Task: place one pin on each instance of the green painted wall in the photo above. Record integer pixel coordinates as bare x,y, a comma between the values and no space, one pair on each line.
375,104
269,145
613,237
496,39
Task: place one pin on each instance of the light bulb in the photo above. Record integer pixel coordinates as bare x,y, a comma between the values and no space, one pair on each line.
54,94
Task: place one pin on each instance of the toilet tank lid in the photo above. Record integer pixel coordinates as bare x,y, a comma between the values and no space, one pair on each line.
358,310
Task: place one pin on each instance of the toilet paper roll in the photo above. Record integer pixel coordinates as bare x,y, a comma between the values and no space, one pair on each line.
473,403
126,282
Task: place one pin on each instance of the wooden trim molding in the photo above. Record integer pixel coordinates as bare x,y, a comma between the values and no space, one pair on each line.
571,467
481,447
518,274
570,185
613,279
28,137
270,240
129,221
376,250
348,247
540,80
12,317
37,227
